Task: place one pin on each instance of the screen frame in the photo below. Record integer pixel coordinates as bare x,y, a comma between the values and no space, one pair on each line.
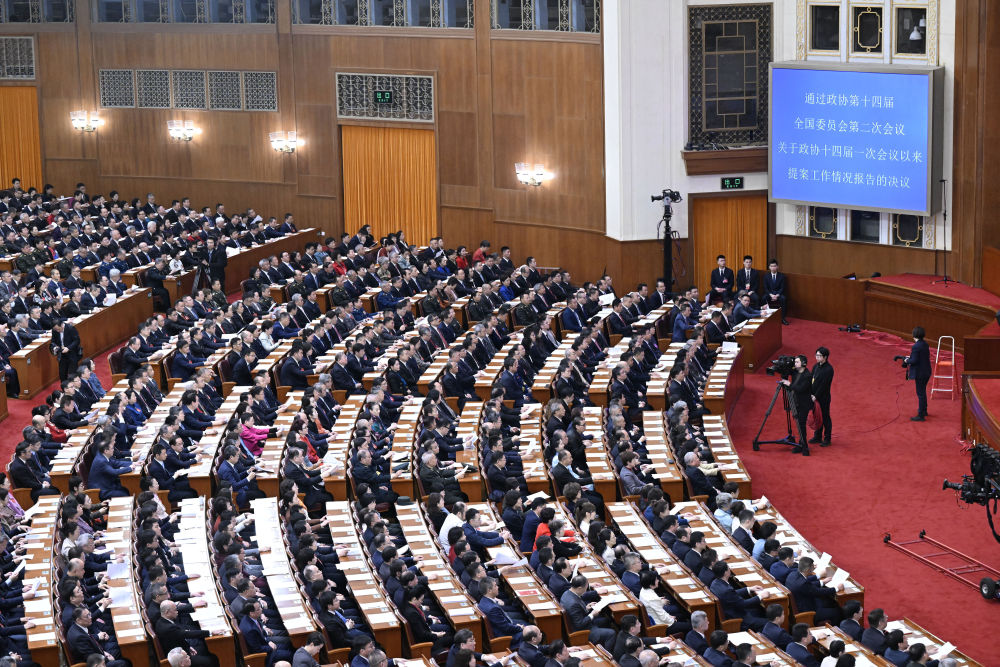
935,129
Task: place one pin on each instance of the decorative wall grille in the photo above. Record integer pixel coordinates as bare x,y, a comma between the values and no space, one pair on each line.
17,58
117,88
188,89
260,91
153,88
412,97
225,91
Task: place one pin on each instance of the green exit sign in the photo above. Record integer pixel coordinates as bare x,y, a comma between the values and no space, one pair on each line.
732,183
383,97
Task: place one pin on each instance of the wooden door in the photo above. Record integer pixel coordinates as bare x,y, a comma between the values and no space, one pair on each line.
733,226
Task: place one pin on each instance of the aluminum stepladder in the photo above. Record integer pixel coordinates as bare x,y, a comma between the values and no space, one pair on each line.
944,364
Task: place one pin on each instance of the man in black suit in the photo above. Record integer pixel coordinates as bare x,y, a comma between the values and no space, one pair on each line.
633,645
82,643
798,649
24,477
132,359
561,656
172,634
296,369
531,650
918,369
749,281
774,289
743,533
217,260
874,635
309,482
580,616
65,347
700,485
723,281
695,638
774,629
853,619
744,603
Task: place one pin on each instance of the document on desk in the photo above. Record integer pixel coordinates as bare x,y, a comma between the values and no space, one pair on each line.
839,577
944,651
506,556
823,563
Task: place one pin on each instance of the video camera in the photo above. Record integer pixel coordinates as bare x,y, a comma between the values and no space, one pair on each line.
983,484
902,358
667,195
783,366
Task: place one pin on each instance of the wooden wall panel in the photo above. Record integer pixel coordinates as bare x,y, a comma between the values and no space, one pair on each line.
991,269
826,299
823,257
547,108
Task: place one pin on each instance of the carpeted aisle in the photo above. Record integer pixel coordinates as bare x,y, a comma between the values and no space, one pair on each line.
19,411
883,473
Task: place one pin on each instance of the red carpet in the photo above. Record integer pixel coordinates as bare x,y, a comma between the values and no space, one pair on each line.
883,473
951,290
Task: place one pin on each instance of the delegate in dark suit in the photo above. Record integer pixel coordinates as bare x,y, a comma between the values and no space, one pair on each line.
66,348
775,291
723,279
174,635
801,655
918,369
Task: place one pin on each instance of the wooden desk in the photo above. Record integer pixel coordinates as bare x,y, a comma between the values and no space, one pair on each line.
747,570
760,338
764,649
541,606
366,587
446,588
717,438
789,537
40,542
685,587
124,590
666,469
192,538
825,635
293,608
724,384
37,368
914,633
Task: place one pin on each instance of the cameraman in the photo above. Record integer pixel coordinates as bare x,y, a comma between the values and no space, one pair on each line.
918,369
822,379
801,388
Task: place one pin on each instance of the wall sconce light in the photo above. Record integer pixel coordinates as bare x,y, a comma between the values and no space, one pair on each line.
84,121
285,142
182,130
529,176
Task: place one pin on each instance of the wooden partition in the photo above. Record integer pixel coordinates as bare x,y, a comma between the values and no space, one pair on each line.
21,156
991,269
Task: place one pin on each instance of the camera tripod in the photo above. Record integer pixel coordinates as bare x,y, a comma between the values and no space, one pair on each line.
789,409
